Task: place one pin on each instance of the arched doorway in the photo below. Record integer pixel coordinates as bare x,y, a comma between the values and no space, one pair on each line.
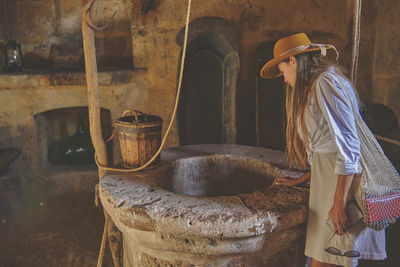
201,109
207,109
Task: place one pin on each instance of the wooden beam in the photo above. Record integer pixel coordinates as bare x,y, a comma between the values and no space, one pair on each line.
115,236
93,89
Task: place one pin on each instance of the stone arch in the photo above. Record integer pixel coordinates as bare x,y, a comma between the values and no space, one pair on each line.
207,111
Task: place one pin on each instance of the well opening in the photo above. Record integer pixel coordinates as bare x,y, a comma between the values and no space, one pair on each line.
220,175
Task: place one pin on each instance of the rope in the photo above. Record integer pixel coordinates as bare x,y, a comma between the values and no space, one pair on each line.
103,240
111,137
387,140
107,216
96,195
173,113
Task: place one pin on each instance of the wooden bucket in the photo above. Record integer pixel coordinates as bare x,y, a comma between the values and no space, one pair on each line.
139,137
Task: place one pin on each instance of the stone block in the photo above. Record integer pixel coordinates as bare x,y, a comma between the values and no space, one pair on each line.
33,21
140,49
163,226
388,18
366,52
3,25
369,17
114,52
68,15
65,56
364,86
387,53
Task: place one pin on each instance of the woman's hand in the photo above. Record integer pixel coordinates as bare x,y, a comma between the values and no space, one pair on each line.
291,181
286,181
339,217
338,213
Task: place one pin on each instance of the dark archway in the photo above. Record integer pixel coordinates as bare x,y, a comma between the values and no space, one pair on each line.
201,109
207,110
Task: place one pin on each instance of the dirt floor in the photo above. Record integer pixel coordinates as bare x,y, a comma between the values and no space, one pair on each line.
38,228
41,229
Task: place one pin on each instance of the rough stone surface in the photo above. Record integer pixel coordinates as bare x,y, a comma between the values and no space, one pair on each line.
162,227
378,74
23,96
149,41
37,25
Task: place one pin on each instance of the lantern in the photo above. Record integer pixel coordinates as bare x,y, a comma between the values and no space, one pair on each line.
13,56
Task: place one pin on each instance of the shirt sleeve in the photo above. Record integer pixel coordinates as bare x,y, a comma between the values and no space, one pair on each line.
336,107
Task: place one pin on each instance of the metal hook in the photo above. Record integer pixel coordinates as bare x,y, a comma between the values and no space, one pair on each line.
91,24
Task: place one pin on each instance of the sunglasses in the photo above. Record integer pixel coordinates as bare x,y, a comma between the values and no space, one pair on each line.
338,252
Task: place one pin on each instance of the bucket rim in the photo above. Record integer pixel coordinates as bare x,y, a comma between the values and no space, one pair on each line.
157,122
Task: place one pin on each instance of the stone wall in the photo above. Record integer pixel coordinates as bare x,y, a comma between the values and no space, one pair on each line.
23,96
386,79
149,41
139,58
45,27
154,41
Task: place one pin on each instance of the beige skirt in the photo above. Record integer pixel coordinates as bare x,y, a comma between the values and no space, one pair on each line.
370,243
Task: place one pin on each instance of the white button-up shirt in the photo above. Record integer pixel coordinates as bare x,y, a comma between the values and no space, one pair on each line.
330,122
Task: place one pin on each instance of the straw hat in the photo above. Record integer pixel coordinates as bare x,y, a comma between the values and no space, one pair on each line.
290,46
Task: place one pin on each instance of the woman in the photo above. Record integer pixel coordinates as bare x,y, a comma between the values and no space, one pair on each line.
321,130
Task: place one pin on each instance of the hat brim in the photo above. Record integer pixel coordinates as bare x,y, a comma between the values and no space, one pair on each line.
270,69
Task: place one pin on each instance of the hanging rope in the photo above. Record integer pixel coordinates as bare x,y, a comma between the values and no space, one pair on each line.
103,240
106,168
104,237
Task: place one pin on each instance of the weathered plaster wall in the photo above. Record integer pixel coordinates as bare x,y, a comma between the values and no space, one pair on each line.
148,43
43,26
386,69
154,46
23,96
368,26
378,73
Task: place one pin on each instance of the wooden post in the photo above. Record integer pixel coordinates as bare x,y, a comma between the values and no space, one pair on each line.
354,8
114,234
93,89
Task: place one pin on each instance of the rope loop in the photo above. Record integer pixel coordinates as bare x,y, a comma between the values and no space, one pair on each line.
106,168
107,216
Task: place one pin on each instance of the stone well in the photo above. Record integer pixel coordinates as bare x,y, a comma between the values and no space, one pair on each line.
209,205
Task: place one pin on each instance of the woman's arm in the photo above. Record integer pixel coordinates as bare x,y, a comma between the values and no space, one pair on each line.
336,103
337,108
291,181
338,212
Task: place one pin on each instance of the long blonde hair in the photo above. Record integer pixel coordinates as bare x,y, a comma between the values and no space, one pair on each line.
309,67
